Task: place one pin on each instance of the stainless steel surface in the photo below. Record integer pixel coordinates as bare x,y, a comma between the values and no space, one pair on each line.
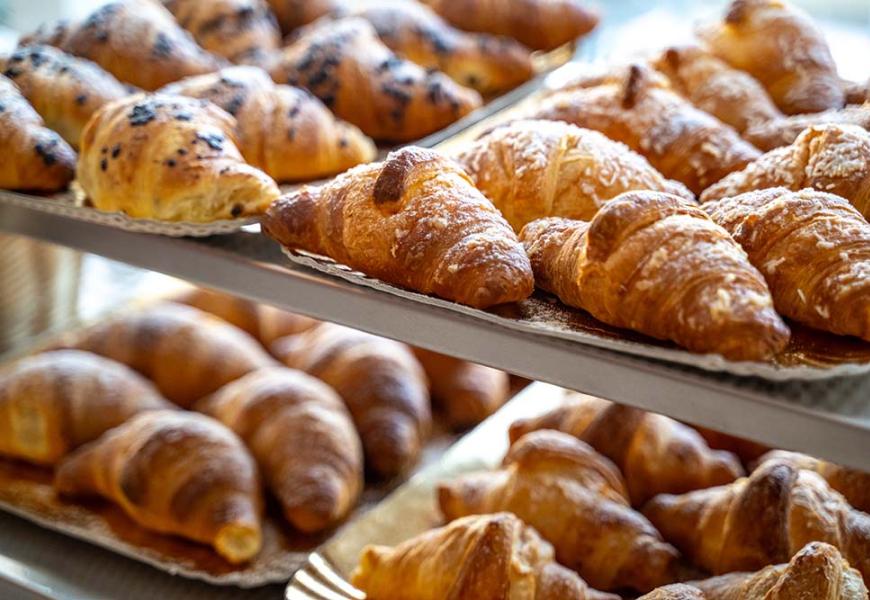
829,419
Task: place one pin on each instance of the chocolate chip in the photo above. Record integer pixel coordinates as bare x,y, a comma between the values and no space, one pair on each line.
162,46
182,115
104,164
46,152
116,150
142,114
236,210
169,162
182,151
81,99
215,141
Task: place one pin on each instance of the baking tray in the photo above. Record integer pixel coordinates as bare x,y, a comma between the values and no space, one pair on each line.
412,508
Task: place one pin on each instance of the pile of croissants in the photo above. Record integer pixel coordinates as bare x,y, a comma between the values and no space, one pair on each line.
191,110
596,499
181,416
638,193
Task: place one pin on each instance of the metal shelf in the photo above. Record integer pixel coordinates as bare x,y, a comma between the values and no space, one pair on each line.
830,419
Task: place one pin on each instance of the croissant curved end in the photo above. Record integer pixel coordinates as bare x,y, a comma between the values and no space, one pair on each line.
239,543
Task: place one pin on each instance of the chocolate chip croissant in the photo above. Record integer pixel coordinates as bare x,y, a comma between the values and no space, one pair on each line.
536,169
577,500
415,220
655,453
174,472
650,262
303,438
496,557
778,44
54,402
171,158
285,131
817,267
35,157
362,81
66,91
137,41
635,106
242,31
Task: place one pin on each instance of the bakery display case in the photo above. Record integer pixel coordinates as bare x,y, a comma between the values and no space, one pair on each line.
654,218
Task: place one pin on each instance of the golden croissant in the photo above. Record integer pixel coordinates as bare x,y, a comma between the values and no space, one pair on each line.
464,392
381,383
577,500
417,221
66,91
303,438
778,44
263,322
636,107
747,450
137,41
187,353
487,557
170,158
285,131
174,472
852,483
35,157
761,520
785,130
816,267
536,169
818,571
829,158
652,263
54,402
483,62
539,24
732,96
656,454
243,31
362,81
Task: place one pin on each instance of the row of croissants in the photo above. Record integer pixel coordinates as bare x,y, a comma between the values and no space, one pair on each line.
180,415
596,499
392,70
637,195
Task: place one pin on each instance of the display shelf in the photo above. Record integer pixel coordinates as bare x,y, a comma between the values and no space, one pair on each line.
828,418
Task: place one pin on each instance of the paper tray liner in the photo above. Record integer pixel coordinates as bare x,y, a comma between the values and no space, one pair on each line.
810,355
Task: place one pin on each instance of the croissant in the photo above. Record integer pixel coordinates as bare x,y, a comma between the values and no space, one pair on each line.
35,157
415,220
536,169
818,571
853,484
284,131
240,30
292,14
747,450
816,267
64,90
137,41
169,158
486,63
303,439
732,96
381,383
187,353
54,402
466,393
639,110
778,44
174,472
784,131
538,24
345,65
263,322
856,93
488,557
655,453
650,262
577,500
761,520
676,591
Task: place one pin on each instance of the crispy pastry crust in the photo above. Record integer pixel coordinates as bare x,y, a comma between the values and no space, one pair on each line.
814,250
652,263
784,131
415,220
